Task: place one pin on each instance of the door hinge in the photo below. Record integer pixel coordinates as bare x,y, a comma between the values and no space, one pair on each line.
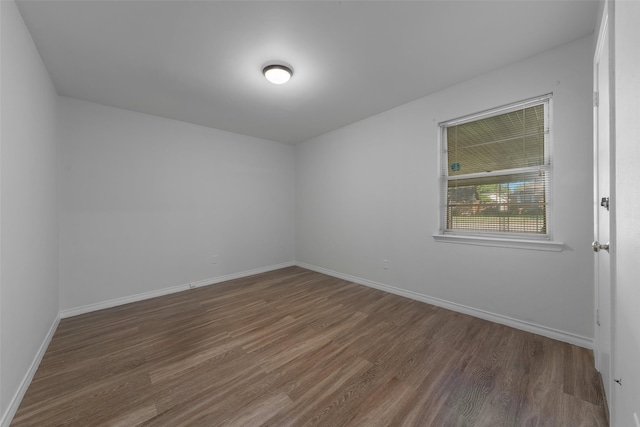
604,202
596,99
618,380
598,316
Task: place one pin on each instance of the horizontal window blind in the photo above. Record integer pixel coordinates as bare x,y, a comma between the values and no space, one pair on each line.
496,171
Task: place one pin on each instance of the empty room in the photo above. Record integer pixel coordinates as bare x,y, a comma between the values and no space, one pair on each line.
296,213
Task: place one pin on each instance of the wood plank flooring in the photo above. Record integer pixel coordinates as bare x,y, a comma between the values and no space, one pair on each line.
297,348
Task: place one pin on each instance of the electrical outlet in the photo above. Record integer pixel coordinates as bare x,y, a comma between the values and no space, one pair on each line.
192,285
214,259
385,264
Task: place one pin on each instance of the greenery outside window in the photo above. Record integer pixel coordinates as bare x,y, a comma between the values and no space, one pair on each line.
496,172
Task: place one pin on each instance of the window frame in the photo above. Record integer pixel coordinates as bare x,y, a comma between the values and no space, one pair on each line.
497,238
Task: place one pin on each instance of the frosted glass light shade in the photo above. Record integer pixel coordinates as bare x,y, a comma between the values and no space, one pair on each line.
277,74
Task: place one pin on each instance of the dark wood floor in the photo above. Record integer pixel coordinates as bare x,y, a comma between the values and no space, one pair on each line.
294,348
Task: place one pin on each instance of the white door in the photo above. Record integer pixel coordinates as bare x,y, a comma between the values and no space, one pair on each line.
602,192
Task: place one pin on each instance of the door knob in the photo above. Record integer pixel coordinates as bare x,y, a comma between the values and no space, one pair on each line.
597,246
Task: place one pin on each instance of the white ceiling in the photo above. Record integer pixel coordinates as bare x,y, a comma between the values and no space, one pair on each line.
200,62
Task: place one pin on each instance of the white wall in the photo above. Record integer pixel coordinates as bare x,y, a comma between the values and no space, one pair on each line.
626,245
29,207
369,191
146,202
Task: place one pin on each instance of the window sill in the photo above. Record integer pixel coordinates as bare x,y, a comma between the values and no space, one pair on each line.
535,245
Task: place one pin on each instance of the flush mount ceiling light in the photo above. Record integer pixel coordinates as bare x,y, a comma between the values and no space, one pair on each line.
277,74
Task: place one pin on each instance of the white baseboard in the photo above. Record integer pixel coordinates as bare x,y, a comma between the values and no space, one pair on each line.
7,417
173,289
545,331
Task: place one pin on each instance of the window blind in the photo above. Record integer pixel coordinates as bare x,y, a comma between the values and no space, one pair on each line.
496,171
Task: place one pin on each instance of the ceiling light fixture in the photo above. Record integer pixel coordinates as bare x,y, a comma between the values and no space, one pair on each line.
277,74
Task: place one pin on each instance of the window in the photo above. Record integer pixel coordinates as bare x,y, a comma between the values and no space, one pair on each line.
496,172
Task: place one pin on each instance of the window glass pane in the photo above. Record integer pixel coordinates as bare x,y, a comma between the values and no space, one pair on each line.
509,203
502,142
